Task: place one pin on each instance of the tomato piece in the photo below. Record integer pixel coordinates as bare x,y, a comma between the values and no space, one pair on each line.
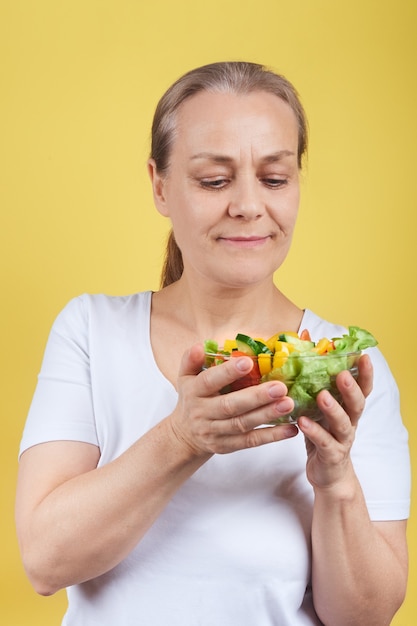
251,378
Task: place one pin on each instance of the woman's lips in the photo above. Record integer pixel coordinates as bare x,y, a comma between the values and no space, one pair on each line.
245,242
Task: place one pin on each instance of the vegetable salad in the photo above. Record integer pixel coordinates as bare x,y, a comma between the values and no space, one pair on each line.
306,367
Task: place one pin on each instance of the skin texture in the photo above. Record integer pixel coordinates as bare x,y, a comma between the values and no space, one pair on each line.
231,193
247,163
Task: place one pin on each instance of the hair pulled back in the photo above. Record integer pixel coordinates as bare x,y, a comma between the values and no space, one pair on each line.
237,77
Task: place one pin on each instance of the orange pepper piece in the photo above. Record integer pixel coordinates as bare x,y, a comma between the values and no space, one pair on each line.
323,346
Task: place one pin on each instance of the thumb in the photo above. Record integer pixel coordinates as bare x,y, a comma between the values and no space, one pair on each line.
192,361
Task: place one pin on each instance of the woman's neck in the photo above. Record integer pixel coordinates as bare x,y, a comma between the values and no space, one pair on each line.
212,310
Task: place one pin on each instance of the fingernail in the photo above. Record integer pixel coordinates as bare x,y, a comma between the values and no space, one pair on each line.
304,422
284,406
291,431
242,364
275,391
328,399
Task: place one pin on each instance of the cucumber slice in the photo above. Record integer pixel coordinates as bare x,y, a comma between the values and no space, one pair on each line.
301,345
250,346
247,345
263,348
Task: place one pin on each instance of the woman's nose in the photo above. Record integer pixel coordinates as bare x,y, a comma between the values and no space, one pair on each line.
246,201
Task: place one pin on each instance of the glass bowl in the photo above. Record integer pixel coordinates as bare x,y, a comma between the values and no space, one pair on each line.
304,375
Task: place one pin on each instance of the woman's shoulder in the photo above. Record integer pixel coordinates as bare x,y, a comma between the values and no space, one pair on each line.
86,305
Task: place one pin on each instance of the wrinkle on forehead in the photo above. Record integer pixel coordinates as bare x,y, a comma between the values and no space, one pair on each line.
221,127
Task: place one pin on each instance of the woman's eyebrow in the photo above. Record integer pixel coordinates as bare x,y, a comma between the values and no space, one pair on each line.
277,156
222,158
212,156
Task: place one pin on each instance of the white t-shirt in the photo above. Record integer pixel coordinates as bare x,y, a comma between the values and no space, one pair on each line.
233,545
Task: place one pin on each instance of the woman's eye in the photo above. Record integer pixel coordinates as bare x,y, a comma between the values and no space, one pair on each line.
275,183
214,183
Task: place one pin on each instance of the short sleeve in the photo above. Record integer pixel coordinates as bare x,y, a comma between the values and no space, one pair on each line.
380,453
62,406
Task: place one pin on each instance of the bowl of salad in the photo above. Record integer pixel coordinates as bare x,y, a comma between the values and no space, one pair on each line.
304,366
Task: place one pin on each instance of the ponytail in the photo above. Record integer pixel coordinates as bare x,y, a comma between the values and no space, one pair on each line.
173,263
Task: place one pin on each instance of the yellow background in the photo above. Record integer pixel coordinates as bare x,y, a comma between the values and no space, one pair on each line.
79,82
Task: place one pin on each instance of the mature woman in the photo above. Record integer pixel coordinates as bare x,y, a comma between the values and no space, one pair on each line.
158,501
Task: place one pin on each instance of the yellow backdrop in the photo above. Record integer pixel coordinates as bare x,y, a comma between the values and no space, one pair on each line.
79,82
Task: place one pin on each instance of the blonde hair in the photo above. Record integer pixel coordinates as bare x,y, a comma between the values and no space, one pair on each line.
236,77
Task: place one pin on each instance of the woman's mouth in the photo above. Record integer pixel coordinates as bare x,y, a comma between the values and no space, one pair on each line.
254,241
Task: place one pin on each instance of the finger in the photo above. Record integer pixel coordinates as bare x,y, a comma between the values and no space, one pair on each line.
314,433
328,460
255,398
352,396
331,447
339,424
366,374
255,438
213,379
241,412
192,361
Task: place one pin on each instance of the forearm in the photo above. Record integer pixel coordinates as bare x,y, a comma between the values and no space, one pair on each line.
358,579
88,524
76,522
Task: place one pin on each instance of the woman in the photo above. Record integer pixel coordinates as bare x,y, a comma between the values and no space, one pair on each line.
153,498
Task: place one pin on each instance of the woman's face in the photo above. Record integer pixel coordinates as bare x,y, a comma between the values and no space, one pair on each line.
232,188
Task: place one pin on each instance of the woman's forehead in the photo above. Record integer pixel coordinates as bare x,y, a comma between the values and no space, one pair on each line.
213,122
219,105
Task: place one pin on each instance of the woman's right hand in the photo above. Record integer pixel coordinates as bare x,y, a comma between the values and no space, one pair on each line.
209,422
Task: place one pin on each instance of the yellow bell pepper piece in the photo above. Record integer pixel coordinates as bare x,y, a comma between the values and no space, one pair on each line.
272,340
229,345
264,363
280,356
283,346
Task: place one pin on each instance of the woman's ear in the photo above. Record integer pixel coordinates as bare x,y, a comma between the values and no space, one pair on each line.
158,187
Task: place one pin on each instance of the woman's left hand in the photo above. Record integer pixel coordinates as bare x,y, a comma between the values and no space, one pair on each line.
328,448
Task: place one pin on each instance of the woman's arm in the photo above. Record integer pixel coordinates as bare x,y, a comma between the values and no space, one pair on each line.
76,521
359,567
